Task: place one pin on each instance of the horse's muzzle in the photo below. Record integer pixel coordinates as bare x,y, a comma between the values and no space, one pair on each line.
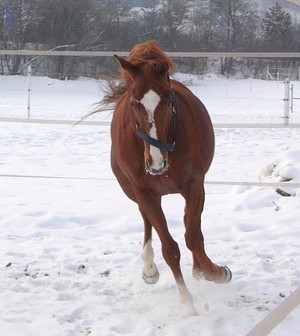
156,170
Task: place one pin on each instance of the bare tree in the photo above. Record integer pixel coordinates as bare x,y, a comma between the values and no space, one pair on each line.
234,25
16,16
173,15
151,25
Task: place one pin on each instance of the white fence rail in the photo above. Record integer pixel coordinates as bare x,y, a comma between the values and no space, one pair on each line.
287,108
288,92
295,97
277,73
107,123
171,54
213,183
277,315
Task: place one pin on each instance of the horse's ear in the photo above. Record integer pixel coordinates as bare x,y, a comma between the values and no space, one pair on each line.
164,70
127,66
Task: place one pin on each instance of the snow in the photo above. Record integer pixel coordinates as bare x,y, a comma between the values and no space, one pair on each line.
70,247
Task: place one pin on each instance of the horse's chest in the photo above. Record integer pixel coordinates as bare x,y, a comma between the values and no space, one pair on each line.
163,184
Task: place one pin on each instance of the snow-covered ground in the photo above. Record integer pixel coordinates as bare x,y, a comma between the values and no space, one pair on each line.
70,248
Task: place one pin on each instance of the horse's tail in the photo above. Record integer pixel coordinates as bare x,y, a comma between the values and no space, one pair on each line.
113,90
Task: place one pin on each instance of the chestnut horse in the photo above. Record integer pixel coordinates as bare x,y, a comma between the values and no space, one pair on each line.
163,143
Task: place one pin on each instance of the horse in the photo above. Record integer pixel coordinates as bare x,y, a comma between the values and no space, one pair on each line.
162,142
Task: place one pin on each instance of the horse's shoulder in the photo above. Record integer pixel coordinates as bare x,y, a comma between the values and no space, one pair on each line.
183,93
189,104
181,89
179,85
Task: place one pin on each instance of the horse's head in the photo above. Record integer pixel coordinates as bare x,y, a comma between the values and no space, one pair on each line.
152,107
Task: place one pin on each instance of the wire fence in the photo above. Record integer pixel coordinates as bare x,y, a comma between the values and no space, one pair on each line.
44,100
269,108
231,103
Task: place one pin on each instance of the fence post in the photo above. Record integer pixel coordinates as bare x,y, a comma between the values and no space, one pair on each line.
269,74
292,98
286,102
28,91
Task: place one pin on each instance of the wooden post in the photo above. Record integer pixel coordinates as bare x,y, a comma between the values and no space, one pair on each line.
277,315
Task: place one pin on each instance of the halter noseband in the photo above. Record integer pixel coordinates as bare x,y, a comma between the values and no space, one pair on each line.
154,142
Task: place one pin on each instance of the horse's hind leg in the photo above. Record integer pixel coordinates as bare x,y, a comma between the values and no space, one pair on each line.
150,272
203,266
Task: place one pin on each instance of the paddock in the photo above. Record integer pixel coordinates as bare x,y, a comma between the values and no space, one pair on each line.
68,233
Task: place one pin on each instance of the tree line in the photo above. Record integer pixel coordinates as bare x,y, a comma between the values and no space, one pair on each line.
180,25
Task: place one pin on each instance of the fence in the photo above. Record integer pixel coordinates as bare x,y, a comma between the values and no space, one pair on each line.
288,100
26,96
187,61
281,74
34,87
294,97
286,94
197,54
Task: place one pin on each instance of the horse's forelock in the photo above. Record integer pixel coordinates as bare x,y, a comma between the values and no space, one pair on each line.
150,51
154,72
154,61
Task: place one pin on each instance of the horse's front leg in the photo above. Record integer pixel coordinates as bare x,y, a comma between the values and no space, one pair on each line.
203,266
150,208
150,272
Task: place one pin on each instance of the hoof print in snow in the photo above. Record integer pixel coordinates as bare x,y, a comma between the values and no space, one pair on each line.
81,269
105,274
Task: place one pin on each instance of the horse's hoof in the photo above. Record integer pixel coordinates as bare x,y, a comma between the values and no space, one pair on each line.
150,280
223,278
228,275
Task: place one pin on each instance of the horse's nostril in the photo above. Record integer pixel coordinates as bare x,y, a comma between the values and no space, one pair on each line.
156,170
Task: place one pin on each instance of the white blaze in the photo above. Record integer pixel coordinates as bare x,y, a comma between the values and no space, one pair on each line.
150,101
